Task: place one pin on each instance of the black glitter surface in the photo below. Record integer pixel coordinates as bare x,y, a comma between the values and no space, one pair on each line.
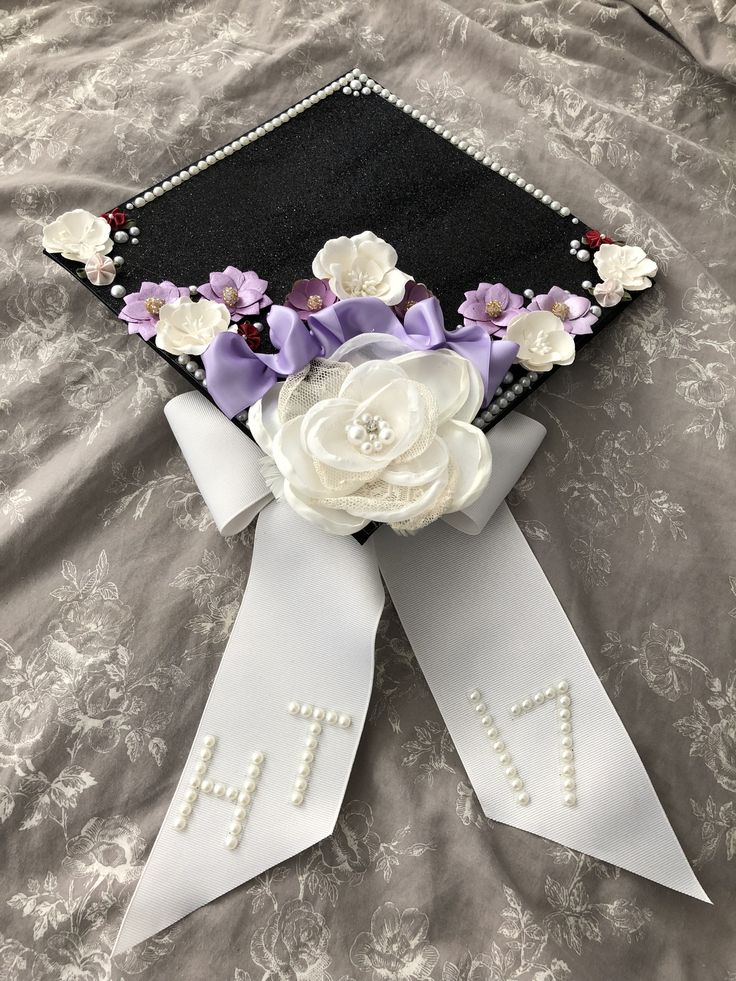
340,167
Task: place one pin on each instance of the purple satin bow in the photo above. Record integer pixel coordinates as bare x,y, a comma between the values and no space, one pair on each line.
237,377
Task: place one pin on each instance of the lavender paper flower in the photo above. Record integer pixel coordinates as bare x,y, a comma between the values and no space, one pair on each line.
243,293
491,306
573,311
141,309
413,293
309,296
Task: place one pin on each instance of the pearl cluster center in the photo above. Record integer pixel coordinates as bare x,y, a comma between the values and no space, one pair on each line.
370,433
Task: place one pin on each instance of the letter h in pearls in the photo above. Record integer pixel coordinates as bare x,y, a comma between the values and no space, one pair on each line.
559,693
316,717
240,798
499,748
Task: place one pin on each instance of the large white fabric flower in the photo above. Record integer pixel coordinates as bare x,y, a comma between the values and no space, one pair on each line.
387,441
77,235
542,339
186,327
363,265
628,264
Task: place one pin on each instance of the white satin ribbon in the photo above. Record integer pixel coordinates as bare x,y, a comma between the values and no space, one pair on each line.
479,614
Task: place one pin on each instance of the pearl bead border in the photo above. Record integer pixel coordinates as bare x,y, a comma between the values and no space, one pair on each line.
318,716
559,693
355,83
503,756
241,798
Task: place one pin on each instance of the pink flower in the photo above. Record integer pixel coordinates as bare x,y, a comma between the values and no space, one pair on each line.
609,292
491,306
309,296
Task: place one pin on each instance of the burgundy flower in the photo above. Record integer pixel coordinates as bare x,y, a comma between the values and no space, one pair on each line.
594,239
115,218
413,293
141,309
491,306
242,293
308,296
250,333
573,311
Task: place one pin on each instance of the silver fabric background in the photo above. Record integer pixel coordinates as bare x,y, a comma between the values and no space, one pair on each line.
118,593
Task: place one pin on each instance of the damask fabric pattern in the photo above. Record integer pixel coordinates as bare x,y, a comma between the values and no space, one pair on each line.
118,593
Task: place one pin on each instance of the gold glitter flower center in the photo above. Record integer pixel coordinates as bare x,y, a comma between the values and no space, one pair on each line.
494,308
153,304
229,296
314,302
561,310
410,303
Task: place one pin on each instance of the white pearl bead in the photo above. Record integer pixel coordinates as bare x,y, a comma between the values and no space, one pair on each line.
515,710
499,746
306,711
555,206
516,783
258,757
568,783
190,795
307,755
319,714
563,701
386,435
546,199
219,790
344,721
235,827
293,708
254,771
564,714
480,707
565,727
300,784
366,447
202,164
474,696
523,798
186,809
315,728
486,721
200,768
492,732
564,212
538,193
356,433
232,793
118,291
566,755
511,772
231,843
569,800
304,769
205,753
539,698
297,798
310,742
244,797
139,202
504,759
158,191
527,704
566,741
596,311
567,770
550,693
209,741
180,823
194,781
249,785
240,813
331,717
206,786
583,255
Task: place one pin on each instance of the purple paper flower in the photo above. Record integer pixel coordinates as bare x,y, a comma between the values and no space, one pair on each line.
141,309
242,293
308,296
573,311
413,293
491,306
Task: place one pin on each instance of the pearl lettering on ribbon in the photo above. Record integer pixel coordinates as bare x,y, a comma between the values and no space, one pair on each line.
499,748
559,693
241,798
316,717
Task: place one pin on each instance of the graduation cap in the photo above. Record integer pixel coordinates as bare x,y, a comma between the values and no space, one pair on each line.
350,157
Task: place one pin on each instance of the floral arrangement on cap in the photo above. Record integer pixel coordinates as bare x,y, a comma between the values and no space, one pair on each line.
366,403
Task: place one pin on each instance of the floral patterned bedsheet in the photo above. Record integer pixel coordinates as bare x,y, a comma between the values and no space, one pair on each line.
118,593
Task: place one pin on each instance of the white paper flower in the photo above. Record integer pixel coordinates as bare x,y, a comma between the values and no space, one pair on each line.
609,292
387,441
543,341
77,235
629,264
100,269
363,265
186,327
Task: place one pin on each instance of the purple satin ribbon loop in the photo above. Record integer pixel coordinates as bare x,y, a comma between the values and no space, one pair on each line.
236,378
296,347
348,318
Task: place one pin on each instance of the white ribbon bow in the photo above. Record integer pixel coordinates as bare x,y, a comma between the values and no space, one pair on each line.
283,721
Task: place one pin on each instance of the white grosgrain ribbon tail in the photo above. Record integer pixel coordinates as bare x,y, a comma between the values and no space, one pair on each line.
483,621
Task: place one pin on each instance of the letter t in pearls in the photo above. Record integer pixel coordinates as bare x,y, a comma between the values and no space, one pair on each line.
316,718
